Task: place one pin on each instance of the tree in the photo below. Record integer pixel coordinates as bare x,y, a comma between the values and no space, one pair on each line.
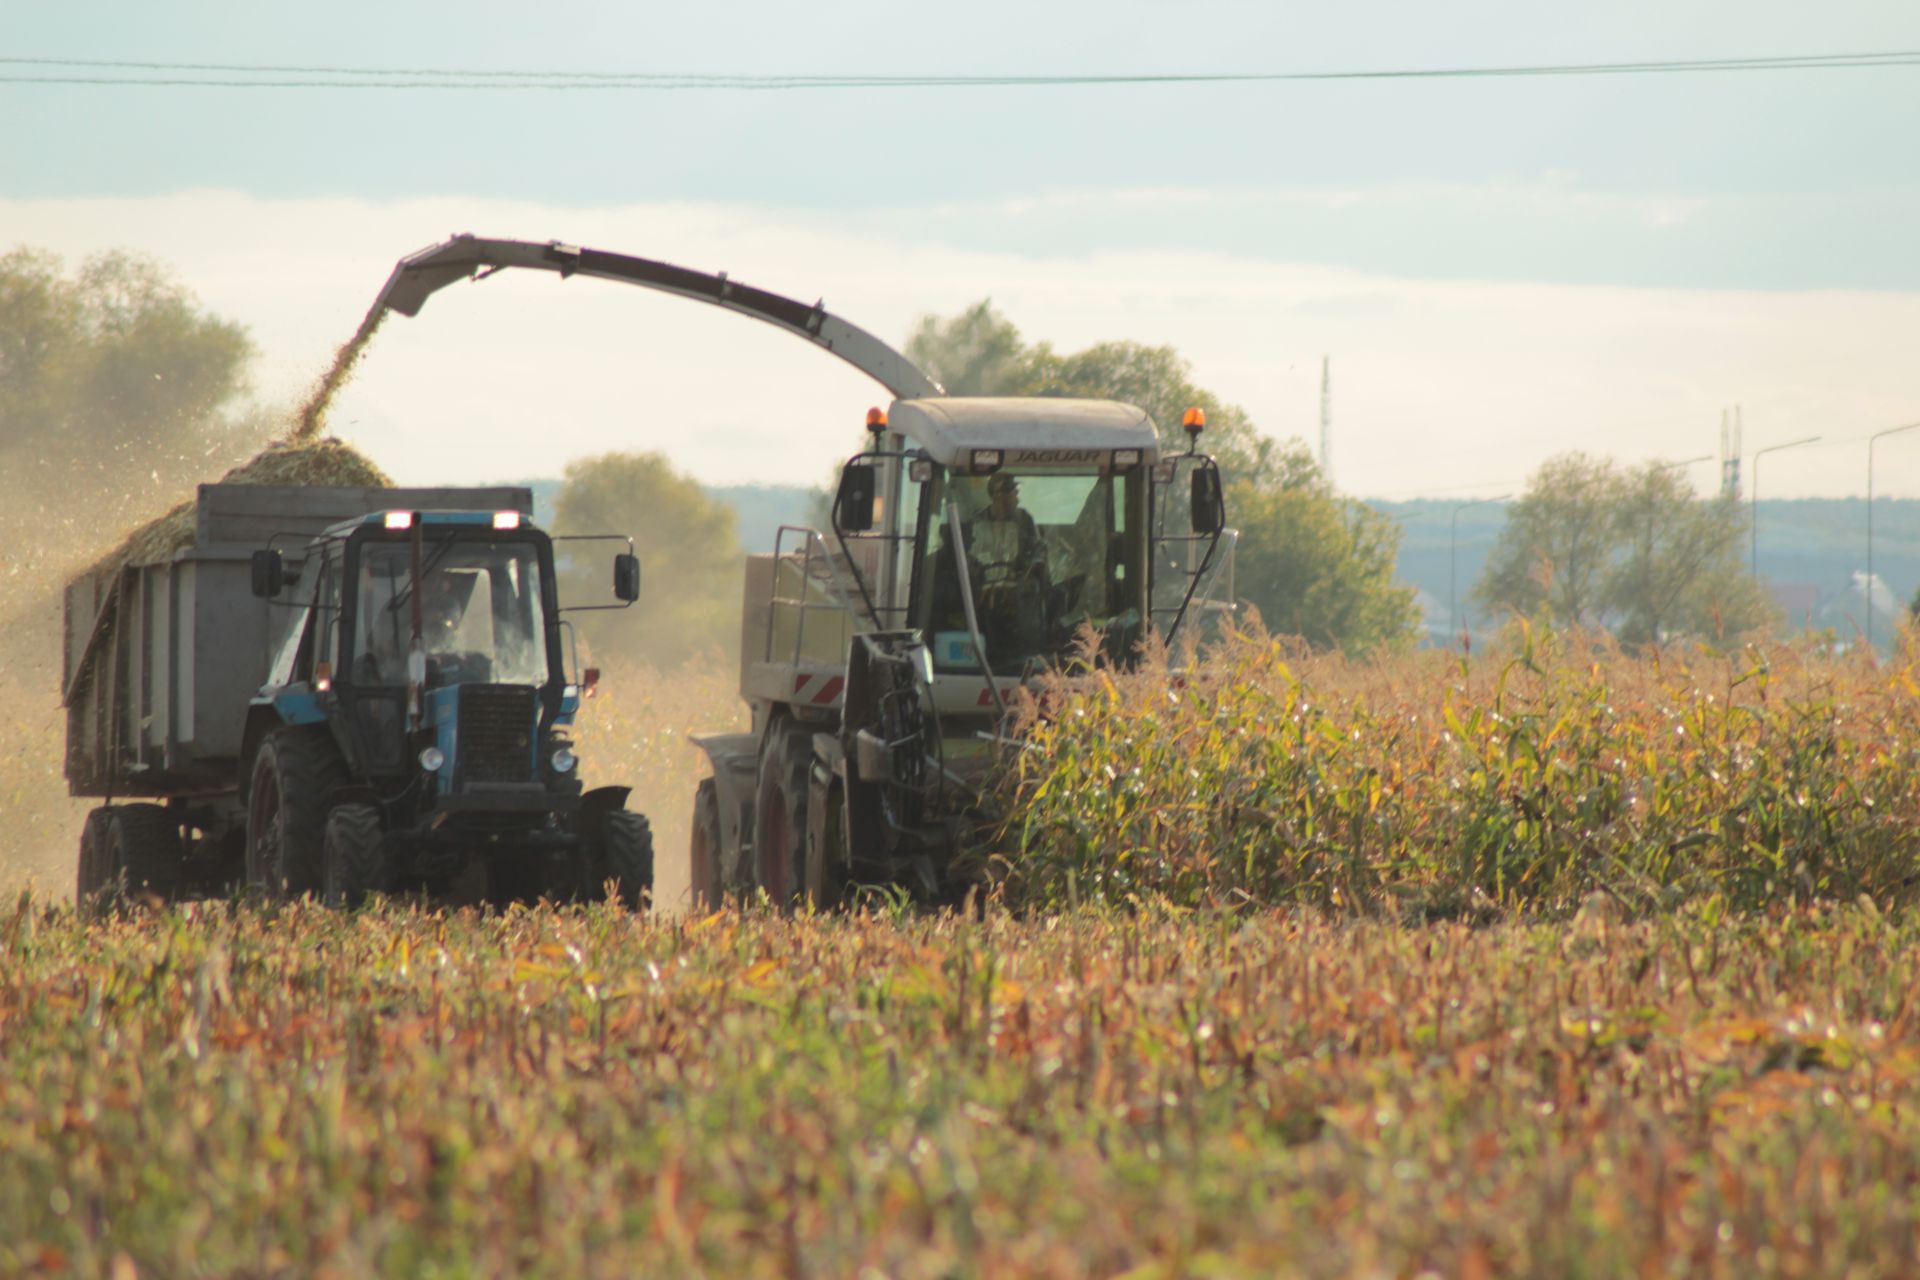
116,389
1589,544
690,555
1678,569
1314,564
1556,551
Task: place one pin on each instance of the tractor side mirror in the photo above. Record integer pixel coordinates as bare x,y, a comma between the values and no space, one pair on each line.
269,574
626,577
853,505
1209,505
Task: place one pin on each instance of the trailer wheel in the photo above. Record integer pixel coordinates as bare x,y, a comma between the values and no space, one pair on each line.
353,856
780,819
129,853
294,775
627,843
91,881
703,873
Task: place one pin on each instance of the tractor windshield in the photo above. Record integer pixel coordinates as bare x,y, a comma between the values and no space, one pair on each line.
480,613
1045,554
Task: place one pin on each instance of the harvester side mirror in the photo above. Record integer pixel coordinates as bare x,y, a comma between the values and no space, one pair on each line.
1209,506
269,574
626,576
853,506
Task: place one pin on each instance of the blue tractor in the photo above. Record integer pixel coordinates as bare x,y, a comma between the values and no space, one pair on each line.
413,732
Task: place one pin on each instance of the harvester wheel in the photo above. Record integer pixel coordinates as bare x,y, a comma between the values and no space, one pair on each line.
703,871
353,856
828,885
780,819
627,842
294,775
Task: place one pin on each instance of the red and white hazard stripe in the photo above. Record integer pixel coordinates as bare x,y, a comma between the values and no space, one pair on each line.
820,691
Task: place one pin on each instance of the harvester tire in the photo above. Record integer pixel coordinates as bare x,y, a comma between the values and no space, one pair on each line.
353,856
828,885
144,858
627,842
709,891
780,816
294,775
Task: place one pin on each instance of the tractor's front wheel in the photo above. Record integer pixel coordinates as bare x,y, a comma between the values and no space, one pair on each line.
829,882
627,844
294,776
353,856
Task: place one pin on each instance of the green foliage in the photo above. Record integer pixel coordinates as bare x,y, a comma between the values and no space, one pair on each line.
1592,544
1311,563
690,556
117,364
1530,782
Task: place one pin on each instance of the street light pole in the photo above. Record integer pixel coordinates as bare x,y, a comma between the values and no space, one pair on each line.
1871,441
1753,517
1453,558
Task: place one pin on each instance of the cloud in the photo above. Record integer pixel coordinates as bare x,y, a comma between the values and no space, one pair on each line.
1438,384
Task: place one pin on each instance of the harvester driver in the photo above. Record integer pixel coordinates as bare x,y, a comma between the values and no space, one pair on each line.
1009,566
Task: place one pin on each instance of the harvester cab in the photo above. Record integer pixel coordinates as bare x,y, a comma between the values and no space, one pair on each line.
415,724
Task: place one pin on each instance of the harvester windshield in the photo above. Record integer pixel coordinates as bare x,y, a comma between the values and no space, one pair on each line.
1046,552
480,614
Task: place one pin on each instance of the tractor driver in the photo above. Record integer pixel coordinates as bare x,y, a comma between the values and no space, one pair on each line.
443,604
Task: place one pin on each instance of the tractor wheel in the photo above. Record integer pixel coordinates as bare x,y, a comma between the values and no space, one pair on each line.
353,856
709,891
780,818
294,776
828,884
627,843
91,883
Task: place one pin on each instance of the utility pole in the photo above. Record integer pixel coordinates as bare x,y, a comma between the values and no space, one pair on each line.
1326,418
1753,519
1453,562
1871,441
1730,454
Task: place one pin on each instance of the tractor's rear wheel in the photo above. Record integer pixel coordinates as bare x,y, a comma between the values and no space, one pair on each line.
709,891
294,776
353,856
91,882
627,844
780,818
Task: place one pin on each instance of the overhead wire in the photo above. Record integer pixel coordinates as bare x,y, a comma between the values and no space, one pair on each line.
283,76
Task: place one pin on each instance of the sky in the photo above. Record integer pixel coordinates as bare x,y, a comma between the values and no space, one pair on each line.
1499,268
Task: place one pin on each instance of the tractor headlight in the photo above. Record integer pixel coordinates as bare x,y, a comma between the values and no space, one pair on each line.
563,759
431,758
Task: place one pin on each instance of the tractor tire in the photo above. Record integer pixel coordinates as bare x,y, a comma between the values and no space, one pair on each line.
780,815
626,843
136,856
294,776
829,886
353,856
91,882
709,891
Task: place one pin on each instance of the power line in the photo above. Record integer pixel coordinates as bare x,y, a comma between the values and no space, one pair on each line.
270,76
